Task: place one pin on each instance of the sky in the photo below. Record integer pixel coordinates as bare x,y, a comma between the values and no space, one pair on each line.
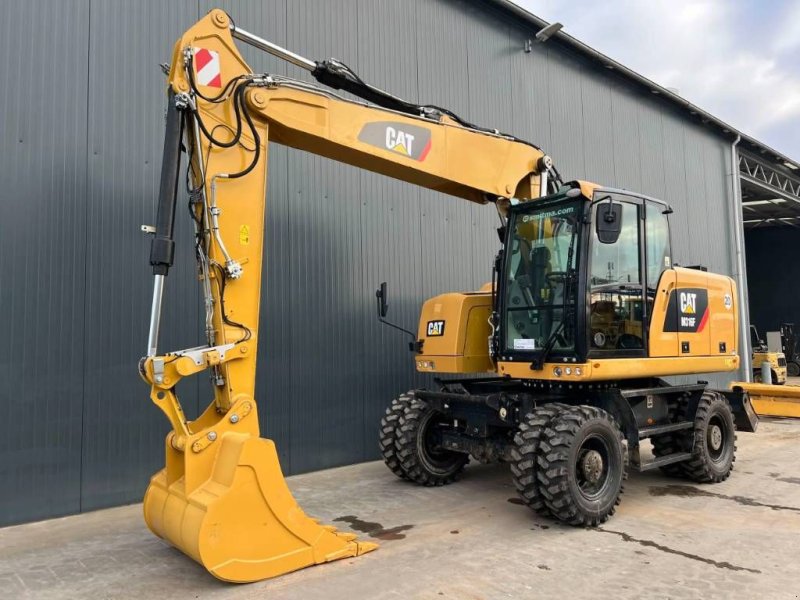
737,59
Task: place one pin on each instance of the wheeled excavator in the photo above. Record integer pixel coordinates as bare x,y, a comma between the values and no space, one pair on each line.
555,367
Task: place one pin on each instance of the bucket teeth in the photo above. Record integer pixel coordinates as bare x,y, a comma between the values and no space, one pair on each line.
347,537
331,528
364,547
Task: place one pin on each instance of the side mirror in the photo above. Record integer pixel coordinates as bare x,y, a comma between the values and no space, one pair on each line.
608,224
383,307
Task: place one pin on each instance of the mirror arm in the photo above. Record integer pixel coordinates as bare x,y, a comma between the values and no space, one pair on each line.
415,345
380,297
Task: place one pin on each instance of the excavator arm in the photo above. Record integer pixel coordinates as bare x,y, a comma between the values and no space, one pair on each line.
221,497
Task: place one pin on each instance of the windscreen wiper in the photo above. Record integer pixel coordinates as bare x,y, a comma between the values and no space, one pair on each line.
538,363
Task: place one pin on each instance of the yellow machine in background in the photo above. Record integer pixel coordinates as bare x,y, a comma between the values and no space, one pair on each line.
777,362
761,355
773,399
585,312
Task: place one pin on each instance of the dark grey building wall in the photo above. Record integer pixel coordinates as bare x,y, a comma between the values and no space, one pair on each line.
81,119
773,275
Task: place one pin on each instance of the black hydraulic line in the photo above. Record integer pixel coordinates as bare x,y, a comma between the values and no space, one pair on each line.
340,77
162,247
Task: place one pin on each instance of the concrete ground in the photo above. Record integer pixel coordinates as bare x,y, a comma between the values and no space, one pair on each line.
471,540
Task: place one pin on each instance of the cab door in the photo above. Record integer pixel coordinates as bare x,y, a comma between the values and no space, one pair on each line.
617,311
661,282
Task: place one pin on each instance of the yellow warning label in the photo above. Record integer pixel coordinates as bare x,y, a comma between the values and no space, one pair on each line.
244,235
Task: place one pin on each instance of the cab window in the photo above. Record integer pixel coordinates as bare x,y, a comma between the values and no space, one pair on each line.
616,313
659,256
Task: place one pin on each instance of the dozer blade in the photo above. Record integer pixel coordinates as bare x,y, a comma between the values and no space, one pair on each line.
243,524
773,400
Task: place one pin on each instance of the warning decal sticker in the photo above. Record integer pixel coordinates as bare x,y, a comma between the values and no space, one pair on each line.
206,66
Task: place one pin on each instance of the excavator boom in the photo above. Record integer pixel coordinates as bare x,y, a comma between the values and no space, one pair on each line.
221,497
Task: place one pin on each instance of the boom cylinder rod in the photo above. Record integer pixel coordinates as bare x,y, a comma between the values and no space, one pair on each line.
274,49
155,314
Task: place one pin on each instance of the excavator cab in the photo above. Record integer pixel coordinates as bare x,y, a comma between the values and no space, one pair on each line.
586,277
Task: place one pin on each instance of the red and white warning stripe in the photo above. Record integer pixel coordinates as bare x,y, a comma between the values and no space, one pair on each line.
206,65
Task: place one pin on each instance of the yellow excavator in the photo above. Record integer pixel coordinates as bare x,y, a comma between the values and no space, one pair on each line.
555,367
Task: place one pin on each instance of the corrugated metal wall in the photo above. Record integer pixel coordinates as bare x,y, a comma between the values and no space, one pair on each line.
81,120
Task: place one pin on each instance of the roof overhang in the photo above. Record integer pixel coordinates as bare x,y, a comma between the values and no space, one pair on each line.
692,111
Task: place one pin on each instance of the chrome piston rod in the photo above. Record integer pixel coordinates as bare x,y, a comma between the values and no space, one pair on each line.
274,49
155,314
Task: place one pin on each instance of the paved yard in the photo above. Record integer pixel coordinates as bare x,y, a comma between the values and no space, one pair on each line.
669,539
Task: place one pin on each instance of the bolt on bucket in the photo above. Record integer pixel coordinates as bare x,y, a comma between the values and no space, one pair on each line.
242,524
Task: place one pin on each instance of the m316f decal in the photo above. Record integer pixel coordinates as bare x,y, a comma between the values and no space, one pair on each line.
687,310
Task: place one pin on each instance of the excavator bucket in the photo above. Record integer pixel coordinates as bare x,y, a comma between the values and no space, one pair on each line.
243,524
772,400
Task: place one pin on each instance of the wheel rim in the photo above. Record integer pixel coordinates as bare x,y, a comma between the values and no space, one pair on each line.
431,454
592,466
717,436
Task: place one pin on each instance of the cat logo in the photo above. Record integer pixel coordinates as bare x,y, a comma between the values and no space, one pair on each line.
401,138
435,328
399,141
687,310
688,303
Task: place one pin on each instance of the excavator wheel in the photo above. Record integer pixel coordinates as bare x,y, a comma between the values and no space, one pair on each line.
422,459
524,453
388,433
582,465
714,436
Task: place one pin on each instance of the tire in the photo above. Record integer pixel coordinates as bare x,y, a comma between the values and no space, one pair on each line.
388,433
525,452
793,369
774,376
573,489
714,436
421,461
